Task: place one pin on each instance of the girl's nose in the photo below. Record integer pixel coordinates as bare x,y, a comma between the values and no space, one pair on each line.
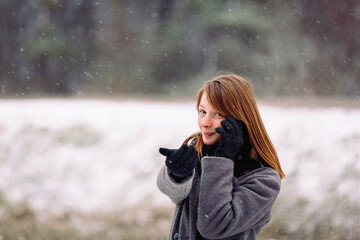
206,122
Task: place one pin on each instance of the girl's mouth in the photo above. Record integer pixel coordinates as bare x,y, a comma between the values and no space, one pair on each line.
208,134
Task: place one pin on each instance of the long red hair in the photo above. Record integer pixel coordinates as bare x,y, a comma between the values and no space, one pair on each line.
231,95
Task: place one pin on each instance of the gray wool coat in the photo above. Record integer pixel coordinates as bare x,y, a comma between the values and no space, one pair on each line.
213,204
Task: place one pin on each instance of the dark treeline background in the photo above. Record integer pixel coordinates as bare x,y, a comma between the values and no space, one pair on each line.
285,47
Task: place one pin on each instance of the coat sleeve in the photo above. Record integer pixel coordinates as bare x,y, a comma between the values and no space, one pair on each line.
177,192
228,207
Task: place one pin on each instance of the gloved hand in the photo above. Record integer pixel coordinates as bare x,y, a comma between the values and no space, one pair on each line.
231,138
182,161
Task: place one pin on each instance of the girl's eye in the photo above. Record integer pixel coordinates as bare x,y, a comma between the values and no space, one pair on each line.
218,115
202,112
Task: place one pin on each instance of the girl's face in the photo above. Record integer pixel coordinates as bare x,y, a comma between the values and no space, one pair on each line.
208,120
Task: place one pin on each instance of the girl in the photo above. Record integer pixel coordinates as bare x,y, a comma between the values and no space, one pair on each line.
225,178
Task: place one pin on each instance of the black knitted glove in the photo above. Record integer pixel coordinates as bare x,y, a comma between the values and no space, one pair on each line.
231,138
182,161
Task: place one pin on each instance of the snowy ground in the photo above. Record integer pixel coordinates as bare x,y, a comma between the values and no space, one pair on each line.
61,155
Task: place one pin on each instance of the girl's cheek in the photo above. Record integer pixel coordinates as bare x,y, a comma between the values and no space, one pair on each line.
199,120
218,123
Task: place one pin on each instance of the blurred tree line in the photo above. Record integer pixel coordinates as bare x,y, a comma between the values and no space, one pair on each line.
285,47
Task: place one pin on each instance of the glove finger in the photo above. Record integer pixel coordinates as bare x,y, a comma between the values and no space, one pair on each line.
179,155
227,126
184,146
194,156
181,150
240,126
190,159
220,131
181,164
192,148
236,124
188,153
193,151
165,151
232,121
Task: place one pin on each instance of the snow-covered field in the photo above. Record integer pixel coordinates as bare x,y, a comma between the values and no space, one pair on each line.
63,155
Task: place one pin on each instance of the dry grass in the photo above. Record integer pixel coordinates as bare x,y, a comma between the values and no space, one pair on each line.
21,223
152,223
